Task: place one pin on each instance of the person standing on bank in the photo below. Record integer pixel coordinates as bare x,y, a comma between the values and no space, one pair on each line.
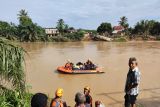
88,101
57,101
132,83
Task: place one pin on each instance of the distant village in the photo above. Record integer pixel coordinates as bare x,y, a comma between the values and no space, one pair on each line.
117,30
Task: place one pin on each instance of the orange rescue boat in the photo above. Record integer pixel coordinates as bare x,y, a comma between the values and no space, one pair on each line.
62,69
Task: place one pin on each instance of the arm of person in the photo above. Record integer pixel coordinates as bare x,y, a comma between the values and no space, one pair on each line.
53,104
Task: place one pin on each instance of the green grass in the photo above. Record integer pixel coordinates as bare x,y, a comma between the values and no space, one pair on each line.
120,39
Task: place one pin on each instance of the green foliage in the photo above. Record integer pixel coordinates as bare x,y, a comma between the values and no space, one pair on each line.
12,73
155,29
104,27
124,22
28,31
94,32
11,65
147,27
12,98
58,39
7,30
121,39
158,38
61,26
77,36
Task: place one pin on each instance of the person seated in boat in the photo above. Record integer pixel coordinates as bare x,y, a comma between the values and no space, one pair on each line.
76,67
69,65
89,65
81,66
86,66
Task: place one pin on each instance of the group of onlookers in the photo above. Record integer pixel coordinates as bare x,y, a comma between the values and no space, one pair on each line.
89,65
85,100
81,99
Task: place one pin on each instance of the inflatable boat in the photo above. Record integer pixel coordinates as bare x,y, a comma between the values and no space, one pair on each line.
62,69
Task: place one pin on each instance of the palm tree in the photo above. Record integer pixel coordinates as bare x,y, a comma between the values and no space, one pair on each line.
22,13
61,26
123,22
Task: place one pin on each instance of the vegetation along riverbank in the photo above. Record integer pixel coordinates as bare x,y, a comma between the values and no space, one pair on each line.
28,31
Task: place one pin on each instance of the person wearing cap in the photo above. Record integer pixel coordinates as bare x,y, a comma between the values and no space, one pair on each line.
57,101
39,100
88,101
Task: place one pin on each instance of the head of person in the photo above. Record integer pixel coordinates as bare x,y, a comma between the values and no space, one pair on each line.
39,100
132,62
86,90
80,98
59,92
88,61
97,103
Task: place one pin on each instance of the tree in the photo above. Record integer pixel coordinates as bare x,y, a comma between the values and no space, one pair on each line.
28,31
124,22
66,28
105,28
143,27
4,28
155,29
24,19
61,26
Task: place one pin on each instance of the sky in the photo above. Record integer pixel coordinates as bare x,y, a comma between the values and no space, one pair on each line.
86,14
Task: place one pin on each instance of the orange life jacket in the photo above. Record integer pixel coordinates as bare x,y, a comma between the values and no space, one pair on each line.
68,66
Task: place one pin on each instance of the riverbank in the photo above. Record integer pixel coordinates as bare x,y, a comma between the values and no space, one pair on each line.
74,38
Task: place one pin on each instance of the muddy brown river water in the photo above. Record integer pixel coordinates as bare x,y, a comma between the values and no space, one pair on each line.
43,59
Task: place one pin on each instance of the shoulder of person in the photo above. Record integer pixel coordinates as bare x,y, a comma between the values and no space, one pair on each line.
137,71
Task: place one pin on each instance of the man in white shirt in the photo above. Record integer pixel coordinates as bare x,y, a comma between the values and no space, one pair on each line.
132,83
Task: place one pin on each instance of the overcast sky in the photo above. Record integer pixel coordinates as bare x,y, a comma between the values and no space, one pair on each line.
80,13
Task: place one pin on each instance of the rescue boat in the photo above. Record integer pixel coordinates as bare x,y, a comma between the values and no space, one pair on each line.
62,69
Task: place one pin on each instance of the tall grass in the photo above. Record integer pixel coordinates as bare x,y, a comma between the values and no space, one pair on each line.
12,78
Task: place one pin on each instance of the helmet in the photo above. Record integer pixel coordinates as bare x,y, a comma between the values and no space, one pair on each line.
87,88
59,92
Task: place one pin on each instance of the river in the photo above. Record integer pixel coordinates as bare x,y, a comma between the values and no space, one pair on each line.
43,59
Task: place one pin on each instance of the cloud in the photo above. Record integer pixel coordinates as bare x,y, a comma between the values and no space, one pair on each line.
81,14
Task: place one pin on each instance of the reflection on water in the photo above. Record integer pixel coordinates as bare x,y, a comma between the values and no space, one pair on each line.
44,58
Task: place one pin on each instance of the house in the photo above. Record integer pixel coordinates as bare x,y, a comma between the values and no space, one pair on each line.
71,30
51,31
118,30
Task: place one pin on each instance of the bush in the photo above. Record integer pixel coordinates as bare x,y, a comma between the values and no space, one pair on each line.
75,36
10,98
121,39
58,39
158,38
